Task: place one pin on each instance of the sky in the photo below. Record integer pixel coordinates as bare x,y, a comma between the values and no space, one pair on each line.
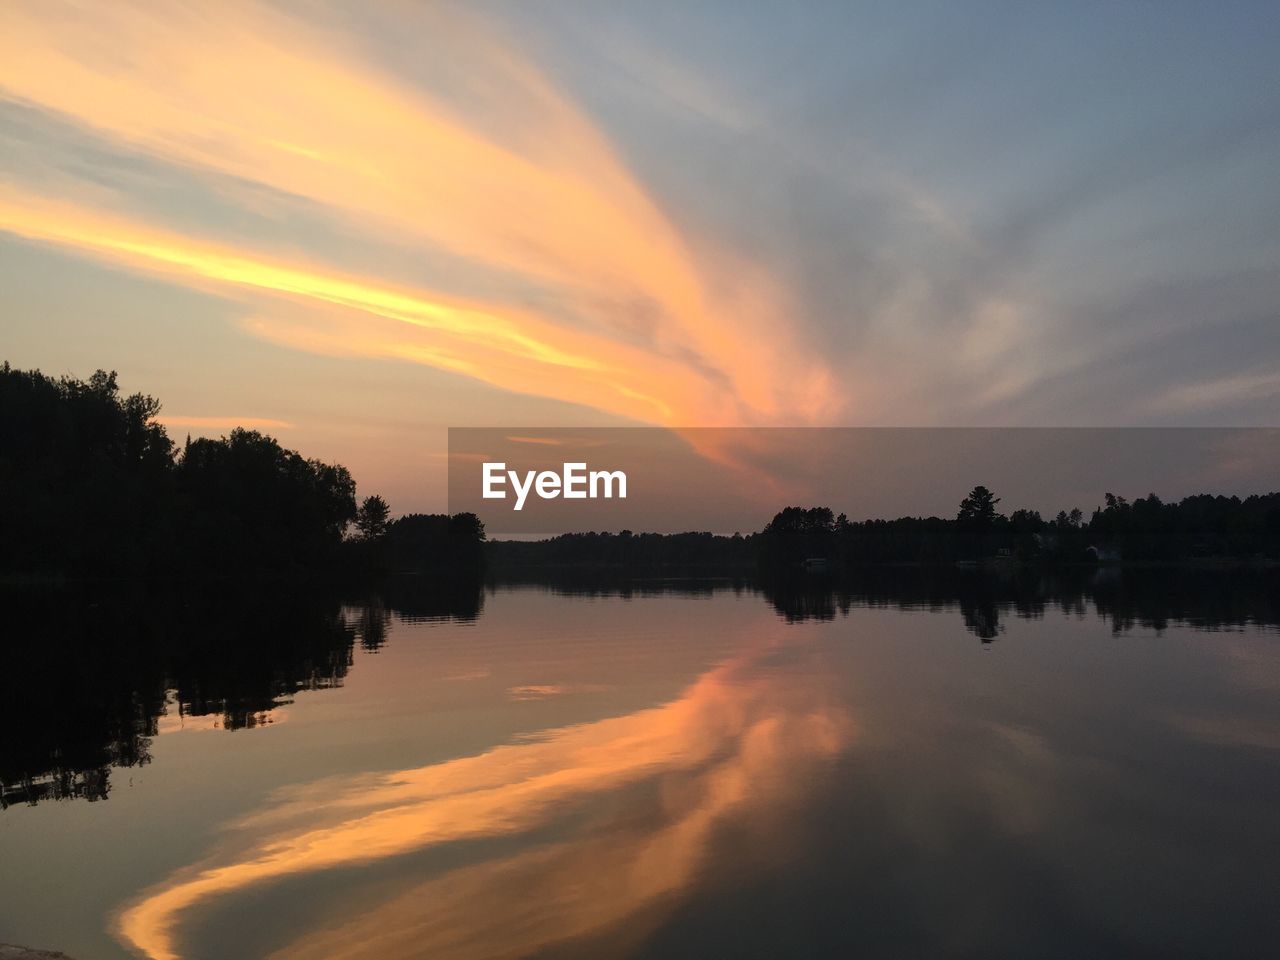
354,226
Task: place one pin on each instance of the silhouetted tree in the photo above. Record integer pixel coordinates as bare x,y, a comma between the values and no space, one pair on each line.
85,475
978,509
422,542
92,487
249,505
797,533
371,518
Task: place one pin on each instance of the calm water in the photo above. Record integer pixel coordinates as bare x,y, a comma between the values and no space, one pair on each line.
913,765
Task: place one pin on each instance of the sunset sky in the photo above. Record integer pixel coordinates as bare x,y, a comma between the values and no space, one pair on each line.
356,225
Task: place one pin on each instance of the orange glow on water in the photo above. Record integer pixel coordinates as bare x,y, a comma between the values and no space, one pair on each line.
729,740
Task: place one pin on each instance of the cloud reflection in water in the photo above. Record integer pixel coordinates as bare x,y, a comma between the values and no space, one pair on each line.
736,740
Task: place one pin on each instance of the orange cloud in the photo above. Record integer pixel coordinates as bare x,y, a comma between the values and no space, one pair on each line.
489,162
559,441
356,316
223,423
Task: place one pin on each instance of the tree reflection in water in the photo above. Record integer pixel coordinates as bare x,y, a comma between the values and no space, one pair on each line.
89,674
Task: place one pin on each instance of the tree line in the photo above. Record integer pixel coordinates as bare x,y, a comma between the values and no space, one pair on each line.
1146,529
91,485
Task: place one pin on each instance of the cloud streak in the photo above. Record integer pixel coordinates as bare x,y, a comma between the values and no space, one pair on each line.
226,423
611,291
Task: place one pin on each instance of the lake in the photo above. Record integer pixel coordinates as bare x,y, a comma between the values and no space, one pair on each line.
910,763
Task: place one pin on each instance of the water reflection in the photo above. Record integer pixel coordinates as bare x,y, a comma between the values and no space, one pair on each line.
122,667
1146,597
733,738
791,767
92,676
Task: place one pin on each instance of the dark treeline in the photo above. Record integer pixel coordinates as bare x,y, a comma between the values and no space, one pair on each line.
89,674
1197,527
1147,530
92,486
425,541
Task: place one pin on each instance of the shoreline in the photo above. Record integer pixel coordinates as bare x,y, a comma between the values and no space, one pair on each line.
710,568
10,951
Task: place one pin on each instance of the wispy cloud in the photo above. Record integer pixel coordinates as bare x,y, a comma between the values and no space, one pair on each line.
620,313
582,442
544,691
785,222
1218,392
223,423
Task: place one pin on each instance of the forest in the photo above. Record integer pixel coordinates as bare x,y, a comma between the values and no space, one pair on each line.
93,487
1202,527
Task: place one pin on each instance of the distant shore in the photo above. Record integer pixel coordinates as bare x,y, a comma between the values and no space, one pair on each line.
714,568
10,952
